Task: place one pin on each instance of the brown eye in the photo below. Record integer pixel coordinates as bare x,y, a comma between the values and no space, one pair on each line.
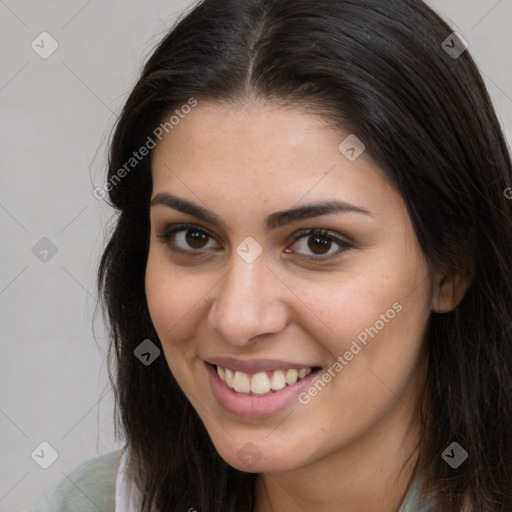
187,238
196,239
318,242
319,245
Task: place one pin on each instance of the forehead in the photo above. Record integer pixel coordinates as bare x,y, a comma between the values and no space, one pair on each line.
250,133
265,153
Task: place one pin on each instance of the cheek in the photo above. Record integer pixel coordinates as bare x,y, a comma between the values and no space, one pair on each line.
173,307
170,300
377,318
337,312
159,302
370,290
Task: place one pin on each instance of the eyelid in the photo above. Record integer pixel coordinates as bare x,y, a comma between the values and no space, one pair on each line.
322,232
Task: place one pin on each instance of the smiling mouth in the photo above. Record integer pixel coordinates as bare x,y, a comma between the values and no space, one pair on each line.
261,383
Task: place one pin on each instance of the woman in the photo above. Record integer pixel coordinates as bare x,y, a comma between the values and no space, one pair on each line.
308,284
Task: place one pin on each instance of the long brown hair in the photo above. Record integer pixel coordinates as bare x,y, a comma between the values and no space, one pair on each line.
379,69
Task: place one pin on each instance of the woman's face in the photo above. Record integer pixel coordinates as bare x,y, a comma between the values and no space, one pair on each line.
245,286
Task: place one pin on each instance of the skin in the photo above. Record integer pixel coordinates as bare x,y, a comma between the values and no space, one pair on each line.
343,450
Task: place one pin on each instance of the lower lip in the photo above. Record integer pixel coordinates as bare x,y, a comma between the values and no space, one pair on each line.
253,406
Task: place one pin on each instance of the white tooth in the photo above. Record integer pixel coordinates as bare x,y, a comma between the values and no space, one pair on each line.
241,383
278,380
222,373
291,377
303,372
260,383
229,377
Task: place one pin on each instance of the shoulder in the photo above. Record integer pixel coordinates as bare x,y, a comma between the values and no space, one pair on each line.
90,487
415,500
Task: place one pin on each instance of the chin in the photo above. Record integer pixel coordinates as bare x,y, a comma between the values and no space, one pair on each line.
257,455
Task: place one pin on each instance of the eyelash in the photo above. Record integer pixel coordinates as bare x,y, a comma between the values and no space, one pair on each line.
167,238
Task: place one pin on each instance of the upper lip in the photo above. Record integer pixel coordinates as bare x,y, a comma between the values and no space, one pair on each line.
256,365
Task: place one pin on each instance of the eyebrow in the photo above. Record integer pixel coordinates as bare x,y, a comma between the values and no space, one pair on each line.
273,221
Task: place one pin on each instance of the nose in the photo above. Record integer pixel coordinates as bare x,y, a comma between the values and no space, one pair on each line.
249,303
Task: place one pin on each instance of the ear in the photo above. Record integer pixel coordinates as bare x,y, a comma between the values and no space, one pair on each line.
449,291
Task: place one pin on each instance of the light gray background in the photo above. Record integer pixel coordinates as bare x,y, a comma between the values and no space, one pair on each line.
56,117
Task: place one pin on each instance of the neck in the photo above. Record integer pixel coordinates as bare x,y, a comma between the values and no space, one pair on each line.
373,473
